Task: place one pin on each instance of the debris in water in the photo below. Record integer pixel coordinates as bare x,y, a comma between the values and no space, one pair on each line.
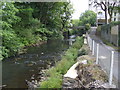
42,53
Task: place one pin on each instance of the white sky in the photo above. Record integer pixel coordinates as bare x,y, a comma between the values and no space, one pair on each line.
79,7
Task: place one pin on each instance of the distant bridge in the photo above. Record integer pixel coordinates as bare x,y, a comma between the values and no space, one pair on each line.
77,27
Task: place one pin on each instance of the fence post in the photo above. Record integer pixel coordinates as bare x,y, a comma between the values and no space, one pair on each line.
88,39
93,47
90,44
111,68
97,54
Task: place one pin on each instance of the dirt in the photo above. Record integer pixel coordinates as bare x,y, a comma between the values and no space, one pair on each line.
90,75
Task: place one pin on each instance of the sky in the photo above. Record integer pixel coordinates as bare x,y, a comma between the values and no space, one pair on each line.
79,7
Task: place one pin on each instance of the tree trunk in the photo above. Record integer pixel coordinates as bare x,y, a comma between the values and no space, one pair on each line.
105,17
110,18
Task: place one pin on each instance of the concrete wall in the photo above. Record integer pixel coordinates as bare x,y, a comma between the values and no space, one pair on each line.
111,35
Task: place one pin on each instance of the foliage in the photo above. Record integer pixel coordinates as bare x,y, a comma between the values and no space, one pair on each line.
87,27
88,17
107,28
11,42
75,22
117,8
46,13
115,23
98,30
55,73
82,52
106,6
25,23
79,31
54,82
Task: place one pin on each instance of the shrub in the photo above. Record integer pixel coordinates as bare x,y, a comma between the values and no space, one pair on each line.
55,73
82,52
11,42
54,82
87,27
98,30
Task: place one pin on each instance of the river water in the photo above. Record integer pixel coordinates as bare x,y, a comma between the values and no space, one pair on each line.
15,70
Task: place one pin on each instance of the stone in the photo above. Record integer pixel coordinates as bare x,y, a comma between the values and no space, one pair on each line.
106,85
70,83
83,61
72,72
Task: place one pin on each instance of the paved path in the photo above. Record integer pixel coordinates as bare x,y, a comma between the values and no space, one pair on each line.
105,57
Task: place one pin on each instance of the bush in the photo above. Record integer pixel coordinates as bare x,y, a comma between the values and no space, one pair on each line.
115,23
87,27
98,30
82,52
54,82
11,43
55,73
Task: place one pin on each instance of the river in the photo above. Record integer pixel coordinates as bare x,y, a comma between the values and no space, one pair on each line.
15,70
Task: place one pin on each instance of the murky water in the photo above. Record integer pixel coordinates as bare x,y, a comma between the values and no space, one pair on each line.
20,68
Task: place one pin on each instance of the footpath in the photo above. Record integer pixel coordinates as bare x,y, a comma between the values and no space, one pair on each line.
85,73
104,56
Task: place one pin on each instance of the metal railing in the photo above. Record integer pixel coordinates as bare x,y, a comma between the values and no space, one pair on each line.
106,58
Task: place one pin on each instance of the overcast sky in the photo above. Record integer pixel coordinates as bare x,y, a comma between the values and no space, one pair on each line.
79,6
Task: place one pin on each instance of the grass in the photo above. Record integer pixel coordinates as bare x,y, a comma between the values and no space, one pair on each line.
55,73
111,45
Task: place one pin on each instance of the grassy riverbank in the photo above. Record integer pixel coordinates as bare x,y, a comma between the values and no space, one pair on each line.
54,74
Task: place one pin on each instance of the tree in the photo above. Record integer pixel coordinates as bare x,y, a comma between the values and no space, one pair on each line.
55,15
111,7
106,6
89,17
26,23
75,22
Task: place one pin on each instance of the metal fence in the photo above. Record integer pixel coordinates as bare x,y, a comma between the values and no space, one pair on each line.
106,58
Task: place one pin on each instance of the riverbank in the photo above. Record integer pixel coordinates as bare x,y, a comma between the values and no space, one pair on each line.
23,49
54,75
32,63
84,73
87,73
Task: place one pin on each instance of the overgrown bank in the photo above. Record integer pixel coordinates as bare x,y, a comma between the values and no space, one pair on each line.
26,23
54,75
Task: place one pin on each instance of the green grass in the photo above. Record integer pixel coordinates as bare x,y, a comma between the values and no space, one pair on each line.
55,73
111,45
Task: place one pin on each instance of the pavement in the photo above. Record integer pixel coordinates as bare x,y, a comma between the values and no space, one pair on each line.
105,57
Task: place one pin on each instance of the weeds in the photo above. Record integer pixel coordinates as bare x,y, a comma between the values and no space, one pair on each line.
54,79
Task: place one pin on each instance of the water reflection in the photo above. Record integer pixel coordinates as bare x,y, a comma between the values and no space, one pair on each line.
16,70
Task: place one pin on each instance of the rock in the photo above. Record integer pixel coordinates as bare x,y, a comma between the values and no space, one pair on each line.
31,70
106,85
2,86
83,61
95,84
85,41
42,53
72,72
70,83
85,57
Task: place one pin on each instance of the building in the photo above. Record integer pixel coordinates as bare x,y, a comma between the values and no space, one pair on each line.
101,14
116,16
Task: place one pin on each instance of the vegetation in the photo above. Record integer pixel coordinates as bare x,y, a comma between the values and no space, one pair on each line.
107,29
75,22
54,74
26,23
88,17
87,27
